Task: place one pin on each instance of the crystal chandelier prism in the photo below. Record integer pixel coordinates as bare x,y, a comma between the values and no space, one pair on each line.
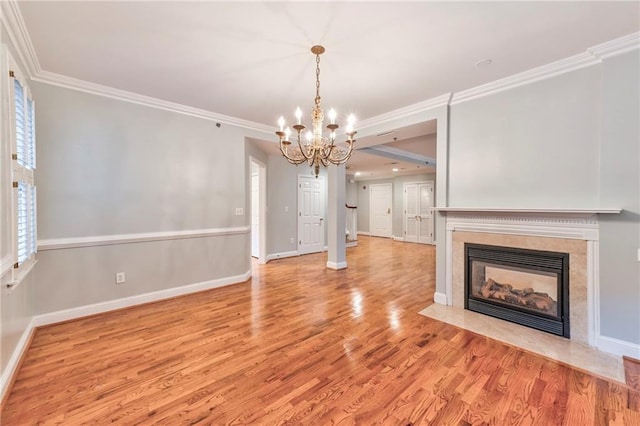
314,147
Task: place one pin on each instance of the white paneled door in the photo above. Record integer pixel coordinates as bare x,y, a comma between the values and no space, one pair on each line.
380,213
418,212
311,201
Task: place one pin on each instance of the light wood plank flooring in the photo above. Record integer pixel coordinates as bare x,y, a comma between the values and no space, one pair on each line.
301,344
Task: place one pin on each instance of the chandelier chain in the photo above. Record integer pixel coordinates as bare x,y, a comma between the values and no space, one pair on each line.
317,100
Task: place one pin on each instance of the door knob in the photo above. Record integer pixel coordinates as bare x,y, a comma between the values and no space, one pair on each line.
321,219
389,210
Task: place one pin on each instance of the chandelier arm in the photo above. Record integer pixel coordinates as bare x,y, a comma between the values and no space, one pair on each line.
291,159
302,150
346,156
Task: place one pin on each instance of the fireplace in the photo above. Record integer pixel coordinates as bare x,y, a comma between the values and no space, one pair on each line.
528,287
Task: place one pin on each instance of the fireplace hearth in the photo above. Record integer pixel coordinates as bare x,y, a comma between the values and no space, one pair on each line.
528,287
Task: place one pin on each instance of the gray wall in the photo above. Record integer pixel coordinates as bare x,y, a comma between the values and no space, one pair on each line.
531,146
620,187
398,202
107,167
570,141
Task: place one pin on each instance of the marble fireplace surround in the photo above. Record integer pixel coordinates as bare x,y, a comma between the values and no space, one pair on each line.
573,231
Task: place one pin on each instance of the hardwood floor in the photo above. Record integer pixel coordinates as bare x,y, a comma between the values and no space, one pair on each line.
301,344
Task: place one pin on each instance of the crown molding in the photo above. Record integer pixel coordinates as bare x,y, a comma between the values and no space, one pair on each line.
592,56
442,100
124,95
616,47
527,77
19,36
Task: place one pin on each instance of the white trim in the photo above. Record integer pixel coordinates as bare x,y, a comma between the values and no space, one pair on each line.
103,240
6,265
616,47
593,292
440,298
282,255
126,96
618,347
336,265
19,36
438,101
351,244
97,308
576,211
368,234
394,238
20,275
448,267
12,364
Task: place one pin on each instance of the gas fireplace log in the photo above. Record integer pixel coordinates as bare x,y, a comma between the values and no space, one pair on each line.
527,298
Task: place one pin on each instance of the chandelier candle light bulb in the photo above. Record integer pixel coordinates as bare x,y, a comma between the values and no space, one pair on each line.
318,149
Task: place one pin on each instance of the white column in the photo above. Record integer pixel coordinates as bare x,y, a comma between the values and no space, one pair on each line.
336,218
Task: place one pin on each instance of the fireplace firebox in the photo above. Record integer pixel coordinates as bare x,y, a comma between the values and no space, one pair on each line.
528,287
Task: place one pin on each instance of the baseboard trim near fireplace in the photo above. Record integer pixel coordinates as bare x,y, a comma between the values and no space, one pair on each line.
440,298
618,347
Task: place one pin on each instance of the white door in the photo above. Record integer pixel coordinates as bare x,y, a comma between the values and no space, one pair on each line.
380,213
255,213
418,212
311,200
411,226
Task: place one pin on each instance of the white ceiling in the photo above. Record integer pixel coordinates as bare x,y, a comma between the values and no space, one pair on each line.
251,60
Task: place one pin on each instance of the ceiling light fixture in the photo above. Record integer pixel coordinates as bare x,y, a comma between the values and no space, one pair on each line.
316,149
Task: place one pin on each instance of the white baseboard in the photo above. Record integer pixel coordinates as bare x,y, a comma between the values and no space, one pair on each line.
12,365
282,255
364,233
336,265
351,244
440,298
618,347
97,308
401,239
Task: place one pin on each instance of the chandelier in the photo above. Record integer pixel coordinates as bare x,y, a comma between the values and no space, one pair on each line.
314,147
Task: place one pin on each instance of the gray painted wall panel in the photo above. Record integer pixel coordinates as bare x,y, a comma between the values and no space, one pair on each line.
109,167
620,187
71,278
531,146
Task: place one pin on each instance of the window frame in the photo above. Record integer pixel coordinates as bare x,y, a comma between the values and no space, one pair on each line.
22,175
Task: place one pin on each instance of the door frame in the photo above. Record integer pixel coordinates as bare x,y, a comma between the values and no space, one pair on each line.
262,205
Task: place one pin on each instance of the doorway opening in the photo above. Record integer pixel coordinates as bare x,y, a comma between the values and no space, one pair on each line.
258,210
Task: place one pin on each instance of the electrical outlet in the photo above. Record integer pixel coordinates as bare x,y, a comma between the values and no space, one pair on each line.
120,278
286,209
291,240
239,211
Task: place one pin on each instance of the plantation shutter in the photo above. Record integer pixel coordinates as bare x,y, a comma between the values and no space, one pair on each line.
24,164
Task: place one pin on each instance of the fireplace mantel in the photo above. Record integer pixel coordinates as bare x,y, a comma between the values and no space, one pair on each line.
545,211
